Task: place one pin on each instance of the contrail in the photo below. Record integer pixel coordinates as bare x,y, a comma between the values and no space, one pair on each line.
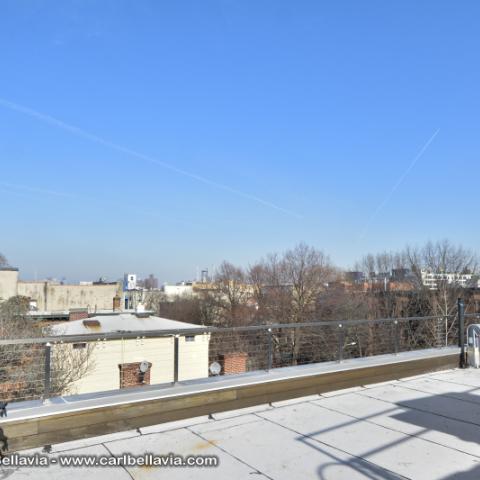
36,190
10,188
133,153
382,205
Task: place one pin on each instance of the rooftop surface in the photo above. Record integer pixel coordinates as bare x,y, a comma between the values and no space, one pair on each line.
425,427
120,322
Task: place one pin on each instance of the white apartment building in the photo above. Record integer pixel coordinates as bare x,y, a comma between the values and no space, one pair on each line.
431,279
179,290
129,281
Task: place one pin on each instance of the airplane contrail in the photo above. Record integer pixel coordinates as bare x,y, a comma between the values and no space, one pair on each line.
10,188
133,153
36,190
402,178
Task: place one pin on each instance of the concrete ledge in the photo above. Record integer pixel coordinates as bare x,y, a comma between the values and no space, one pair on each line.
72,419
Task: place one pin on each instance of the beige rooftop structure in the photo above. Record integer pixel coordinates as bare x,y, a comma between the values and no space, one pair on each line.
115,364
55,296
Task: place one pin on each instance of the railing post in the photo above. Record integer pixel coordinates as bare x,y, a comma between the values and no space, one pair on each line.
395,336
270,350
341,342
461,331
175,358
47,372
444,320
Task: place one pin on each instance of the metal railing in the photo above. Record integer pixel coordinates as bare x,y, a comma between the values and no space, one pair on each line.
45,367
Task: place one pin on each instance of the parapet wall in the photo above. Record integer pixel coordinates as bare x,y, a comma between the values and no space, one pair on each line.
8,283
53,297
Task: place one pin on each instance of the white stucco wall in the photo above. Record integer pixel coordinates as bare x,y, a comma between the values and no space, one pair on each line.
193,357
55,297
34,290
177,290
8,284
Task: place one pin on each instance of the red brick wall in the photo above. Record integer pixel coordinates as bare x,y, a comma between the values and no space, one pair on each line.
78,314
235,362
13,391
130,375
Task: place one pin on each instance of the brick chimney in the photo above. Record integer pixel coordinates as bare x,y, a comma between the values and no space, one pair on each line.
131,376
77,314
234,362
117,302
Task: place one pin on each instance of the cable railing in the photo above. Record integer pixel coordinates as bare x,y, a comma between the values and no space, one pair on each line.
53,366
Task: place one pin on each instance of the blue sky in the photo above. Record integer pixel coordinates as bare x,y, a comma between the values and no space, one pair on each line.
160,136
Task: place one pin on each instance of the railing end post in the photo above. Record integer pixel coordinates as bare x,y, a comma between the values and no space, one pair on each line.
175,358
270,350
47,373
461,332
341,341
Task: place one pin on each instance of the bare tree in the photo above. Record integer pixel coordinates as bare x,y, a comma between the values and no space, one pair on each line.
14,322
232,293
200,308
382,263
441,257
446,263
70,364
271,290
308,271
3,261
286,289
22,365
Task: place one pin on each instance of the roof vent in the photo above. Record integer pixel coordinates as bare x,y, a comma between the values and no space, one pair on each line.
140,311
91,323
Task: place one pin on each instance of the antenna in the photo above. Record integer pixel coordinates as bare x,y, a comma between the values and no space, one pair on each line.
144,366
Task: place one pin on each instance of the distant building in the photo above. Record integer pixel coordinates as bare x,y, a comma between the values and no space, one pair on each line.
129,281
117,363
354,277
401,274
149,283
204,278
433,279
178,290
54,296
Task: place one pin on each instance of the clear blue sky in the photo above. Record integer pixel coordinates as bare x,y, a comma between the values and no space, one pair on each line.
160,136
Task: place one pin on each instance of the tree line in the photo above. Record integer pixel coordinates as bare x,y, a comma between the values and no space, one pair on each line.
303,285
299,285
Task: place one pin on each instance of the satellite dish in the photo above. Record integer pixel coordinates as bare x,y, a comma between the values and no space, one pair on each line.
215,368
144,366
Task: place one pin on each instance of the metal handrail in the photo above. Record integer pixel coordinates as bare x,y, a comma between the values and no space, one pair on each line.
206,330
475,327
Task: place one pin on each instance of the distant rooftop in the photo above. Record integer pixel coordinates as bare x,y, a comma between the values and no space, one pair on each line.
120,322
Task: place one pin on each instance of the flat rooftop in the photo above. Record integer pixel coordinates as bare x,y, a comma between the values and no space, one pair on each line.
424,427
